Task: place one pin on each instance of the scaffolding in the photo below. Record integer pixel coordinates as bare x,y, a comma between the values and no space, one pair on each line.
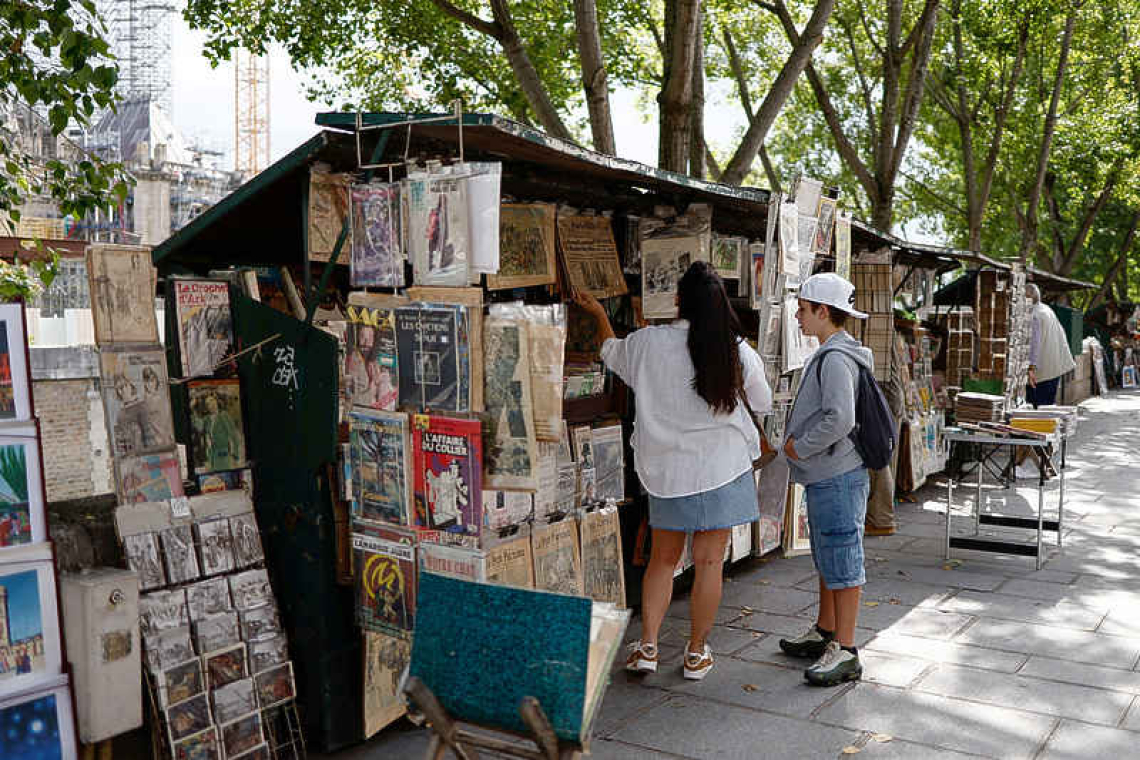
251,113
139,32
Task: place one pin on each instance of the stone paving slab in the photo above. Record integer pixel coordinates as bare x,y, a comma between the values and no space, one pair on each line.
774,572
1132,720
891,669
782,601
898,749
916,621
1032,694
758,686
1082,673
605,749
1048,641
947,652
768,650
1008,607
1079,741
766,622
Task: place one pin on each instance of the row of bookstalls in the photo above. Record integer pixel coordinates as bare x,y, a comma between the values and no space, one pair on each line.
373,339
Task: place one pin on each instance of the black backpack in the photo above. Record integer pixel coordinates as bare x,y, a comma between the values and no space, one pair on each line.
874,433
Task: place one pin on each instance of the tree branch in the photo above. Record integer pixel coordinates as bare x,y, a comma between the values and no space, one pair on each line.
738,73
489,28
1091,213
916,83
770,171
594,79
1120,263
929,11
939,197
868,105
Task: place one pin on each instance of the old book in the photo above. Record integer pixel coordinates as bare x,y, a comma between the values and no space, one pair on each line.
143,557
609,462
136,400
501,509
511,562
472,298
217,439
377,244
122,285
526,246
148,477
234,700
205,324
385,658
665,258
381,457
179,555
557,563
328,213
434,351
510,446
447,474
371,369
215,546
439,235
603,571
384,575
589,255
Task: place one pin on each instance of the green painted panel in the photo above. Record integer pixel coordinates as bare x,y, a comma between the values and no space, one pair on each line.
1073,320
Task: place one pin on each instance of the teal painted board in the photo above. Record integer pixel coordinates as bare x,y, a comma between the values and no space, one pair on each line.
289,392
482,648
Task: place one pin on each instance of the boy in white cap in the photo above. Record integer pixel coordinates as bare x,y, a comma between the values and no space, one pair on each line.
823,458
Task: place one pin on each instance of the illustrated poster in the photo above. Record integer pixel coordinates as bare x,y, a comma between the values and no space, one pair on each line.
438,240
328,211
149,477
726,254
205,324
371,370
590,256
136,400
217,437
448,474
15,387
381,457
526,243
384,574
29,626
377,247
385,658
664,261
510,456
122,286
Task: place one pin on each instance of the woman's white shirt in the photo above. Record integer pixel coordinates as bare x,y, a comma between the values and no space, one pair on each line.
681,447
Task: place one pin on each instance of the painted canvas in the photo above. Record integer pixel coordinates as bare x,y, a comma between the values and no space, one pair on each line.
122,286
216,436
328,212
439,235
22,519
377,246
205,324
148,477
589,254
29,633
38,725
179,555
143,557
385,658
447,468
510,448
382,465
15,388
526,246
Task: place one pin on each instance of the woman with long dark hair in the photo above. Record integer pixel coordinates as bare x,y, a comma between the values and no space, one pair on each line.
694,442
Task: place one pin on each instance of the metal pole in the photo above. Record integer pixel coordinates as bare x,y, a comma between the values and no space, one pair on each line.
1061,497
949,508
978,500
1040,509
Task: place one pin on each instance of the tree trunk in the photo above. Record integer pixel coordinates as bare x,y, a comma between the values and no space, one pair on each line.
760,122
1119,268
1029,234
697,146
594,79
675,98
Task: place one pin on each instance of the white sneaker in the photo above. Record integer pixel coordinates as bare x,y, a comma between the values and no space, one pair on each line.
642,658
698,664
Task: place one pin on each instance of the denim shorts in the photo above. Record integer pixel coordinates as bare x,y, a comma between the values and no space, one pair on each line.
732,504
836,510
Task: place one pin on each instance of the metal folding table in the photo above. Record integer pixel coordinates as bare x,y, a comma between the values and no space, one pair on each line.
983,441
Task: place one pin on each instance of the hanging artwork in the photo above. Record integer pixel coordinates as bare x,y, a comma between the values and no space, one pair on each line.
377,246
381,466
385,658
772,493
797,347
30,644
589,255
122,285
609,462
438,237
510,447
726,254
664,260
756,275
843,245
384,574
217,441
136,400
526,240
205,324
434,351
822,242
21,490
247,540
143,557
447,474
15,394
328,211
38,725
371,372
148,477
788,236
557,563
178,552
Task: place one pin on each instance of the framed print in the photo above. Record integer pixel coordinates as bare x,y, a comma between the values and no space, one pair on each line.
122,282
265,654
207,598
178,552
226,666
38,725
161,611
275,686
251,589
21,490
247,540
217,436
144,558
234,700
15,387
200,746
148,477
215,546
180,682
30,649
136,400
189,717
242,734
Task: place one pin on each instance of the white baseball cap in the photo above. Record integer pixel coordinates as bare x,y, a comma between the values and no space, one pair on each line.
831,289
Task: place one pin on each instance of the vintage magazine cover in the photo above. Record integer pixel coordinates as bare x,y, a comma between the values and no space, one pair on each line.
462,562
557,560
122,284
381,465
438,240
726,254
511,563
821,244
148,477
136,400
371,371
546,497
448,474
589,255
603,570
511,450
217,438
377,246
205,324
434,351
328,211
472,298
609,462
502,509
665,257
384,575
526,246
547,353
385,658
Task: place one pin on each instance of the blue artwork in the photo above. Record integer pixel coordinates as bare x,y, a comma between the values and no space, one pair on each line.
23,607
30,731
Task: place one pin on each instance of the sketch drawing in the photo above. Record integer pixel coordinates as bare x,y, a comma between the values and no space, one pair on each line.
526,245
215,546
217,631
233,700
136,399
511,450
178,552
168,648
267,653
259,623
664,260
217,437
377,248
205,324
207,598
247,540
250,589
122,285
162,610
143,557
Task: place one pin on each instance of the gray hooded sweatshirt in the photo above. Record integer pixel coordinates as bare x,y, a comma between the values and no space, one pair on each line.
823,413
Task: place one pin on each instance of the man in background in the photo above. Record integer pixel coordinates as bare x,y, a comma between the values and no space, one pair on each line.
1049,359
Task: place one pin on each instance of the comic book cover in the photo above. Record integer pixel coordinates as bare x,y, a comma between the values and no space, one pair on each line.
205,325
382,467
438,238
448,474
371,372
136,400
377,249
384,564
433,347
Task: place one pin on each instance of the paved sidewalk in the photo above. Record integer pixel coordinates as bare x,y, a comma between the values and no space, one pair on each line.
981,656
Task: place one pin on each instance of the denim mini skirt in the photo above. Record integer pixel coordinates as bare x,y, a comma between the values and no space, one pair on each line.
732,504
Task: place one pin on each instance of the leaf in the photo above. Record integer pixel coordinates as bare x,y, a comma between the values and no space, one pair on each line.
750,687
870,604
882,738
851,750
